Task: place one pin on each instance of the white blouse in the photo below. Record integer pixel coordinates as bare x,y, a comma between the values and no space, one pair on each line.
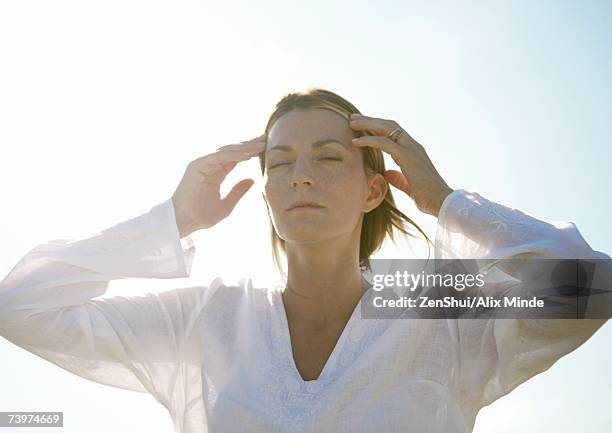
219,357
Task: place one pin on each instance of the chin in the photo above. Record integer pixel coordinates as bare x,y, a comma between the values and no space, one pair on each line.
304,237
303,232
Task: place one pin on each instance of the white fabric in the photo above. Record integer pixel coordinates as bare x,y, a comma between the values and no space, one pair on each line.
219,357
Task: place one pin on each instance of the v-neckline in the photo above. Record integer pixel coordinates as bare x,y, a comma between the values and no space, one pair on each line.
331,361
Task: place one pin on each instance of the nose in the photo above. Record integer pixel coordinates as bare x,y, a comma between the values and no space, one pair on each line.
301,176
300,179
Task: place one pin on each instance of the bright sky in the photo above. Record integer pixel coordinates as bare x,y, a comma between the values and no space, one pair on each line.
103,104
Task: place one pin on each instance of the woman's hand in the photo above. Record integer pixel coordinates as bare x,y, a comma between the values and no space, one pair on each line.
197,200
418,178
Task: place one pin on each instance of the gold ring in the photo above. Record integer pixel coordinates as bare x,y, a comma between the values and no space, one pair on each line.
394,135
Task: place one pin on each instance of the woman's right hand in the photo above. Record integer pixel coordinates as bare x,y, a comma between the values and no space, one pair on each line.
197,199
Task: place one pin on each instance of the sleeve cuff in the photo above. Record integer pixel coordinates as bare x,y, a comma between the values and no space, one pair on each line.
147,246
446,204
471,226
175,252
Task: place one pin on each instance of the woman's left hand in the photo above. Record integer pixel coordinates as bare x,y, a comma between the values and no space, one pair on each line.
418,178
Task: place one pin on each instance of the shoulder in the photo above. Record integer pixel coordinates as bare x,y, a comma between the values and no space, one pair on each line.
242,293
236,308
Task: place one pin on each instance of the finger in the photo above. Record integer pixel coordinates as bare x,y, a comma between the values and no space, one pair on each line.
245,146
398,180
255,143
385,144
255,139
208,164
215,178
235,154
250,150
381,127
227,167
236,193
377,126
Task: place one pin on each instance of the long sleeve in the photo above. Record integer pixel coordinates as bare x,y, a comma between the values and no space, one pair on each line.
496,355
47,303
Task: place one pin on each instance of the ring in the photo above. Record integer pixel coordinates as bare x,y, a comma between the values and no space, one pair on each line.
394,135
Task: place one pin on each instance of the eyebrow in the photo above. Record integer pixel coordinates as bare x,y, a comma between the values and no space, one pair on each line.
316,144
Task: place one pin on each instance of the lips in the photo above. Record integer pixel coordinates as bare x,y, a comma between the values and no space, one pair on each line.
304,205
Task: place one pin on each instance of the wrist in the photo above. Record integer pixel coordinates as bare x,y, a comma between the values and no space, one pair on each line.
182,222
445,192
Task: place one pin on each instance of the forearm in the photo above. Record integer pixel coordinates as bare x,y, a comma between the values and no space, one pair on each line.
67,272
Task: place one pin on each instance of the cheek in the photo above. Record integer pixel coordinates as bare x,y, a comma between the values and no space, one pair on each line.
273,192
348,192
345,174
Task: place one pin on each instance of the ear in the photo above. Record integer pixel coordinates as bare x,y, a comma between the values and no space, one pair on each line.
377,190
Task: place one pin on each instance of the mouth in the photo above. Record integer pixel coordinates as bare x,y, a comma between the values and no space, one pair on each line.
298,208
304,206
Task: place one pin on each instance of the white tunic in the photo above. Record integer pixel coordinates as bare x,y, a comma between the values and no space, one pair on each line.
219,357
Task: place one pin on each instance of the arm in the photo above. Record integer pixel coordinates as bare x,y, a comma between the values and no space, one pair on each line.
141,343
47,304
496,355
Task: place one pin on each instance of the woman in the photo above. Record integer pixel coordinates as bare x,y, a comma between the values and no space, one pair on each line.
237,358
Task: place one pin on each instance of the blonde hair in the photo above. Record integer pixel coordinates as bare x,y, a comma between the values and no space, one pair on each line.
377,223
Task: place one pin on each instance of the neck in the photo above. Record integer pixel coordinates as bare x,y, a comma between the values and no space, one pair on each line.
324,282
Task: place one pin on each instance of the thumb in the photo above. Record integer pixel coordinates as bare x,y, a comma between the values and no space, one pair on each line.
236,193
398,180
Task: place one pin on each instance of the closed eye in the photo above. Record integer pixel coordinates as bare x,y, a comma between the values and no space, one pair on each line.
277,165
321,159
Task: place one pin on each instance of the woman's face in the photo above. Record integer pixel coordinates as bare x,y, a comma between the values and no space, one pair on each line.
309,156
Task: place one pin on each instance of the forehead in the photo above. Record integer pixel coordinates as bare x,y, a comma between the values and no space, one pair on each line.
309,125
